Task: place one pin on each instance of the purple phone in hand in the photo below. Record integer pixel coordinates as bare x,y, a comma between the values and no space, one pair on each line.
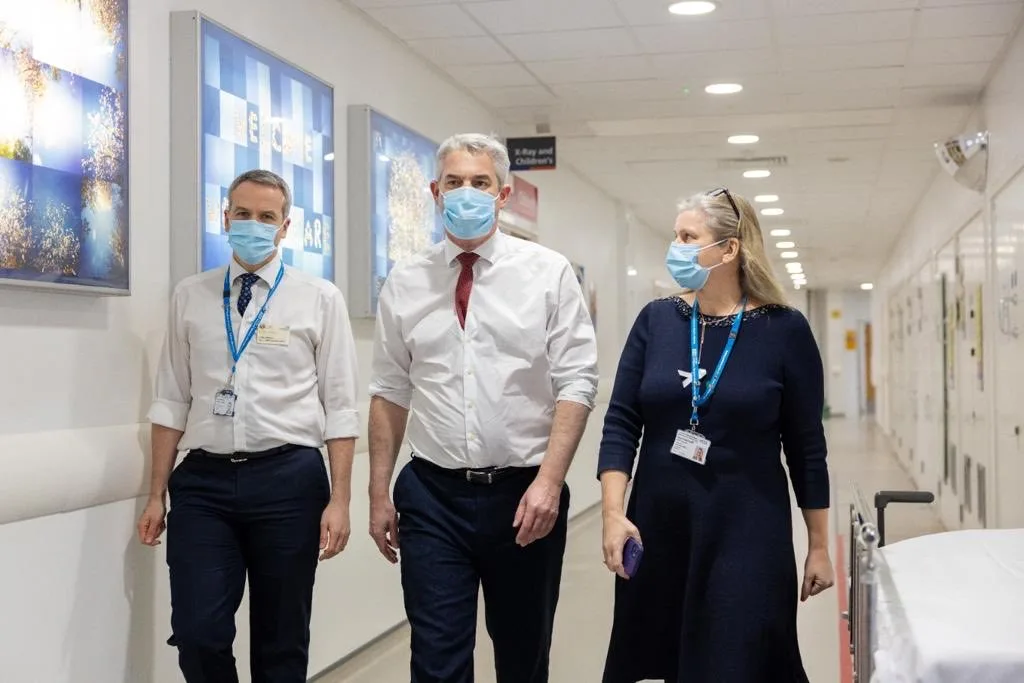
631,554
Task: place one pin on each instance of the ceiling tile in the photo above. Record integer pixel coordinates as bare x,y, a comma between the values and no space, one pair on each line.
955,50
539,16
472,50
842,99
831,29
364,4
713,65
530,95
426,21
492,75
604,42
976,20
811,7
793,82
945,74
747,35
597,69
832,57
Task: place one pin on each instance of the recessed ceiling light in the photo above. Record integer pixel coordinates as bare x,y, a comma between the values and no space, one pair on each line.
723,88
785,245
867,286
756,174
781,232
789,254
766,198
743,139
798,276
772,212
794,267
692,8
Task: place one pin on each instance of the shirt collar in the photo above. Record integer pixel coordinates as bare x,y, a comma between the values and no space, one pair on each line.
489,251
267,273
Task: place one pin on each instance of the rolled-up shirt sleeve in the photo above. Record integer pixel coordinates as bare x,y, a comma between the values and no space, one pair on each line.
337,370
172,393
572,344
391,357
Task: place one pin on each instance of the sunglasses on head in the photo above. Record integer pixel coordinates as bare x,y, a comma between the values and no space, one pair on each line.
720,191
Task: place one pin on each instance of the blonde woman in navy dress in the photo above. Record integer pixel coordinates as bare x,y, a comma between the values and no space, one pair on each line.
718,383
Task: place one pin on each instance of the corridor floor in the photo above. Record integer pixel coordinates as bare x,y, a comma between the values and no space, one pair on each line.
859,455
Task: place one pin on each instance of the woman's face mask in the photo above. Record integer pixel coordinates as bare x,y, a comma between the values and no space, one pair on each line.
682,264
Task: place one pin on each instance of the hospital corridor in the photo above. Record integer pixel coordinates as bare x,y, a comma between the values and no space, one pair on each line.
511,341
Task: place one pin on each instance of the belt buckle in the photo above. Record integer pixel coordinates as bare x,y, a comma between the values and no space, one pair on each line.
476,477
239,459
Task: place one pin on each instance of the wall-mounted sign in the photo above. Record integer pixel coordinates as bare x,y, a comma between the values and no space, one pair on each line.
532,154
524,199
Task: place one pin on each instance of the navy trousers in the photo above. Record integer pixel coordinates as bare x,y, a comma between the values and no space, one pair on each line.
456,536
228,520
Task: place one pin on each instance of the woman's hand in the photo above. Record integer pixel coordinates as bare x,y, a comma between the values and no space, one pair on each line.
617,528
818,574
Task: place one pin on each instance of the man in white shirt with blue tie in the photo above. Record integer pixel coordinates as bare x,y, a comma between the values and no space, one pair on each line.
258,372
484,348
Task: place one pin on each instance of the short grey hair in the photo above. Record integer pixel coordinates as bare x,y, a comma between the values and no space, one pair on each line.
476,143
267,179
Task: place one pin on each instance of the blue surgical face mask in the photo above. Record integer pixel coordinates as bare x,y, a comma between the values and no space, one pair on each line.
252,241
682,264
468,212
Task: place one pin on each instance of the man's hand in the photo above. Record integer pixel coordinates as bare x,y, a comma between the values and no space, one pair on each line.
384,526
151,523
334,530
538,510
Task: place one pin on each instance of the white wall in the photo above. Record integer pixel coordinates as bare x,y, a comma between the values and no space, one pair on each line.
984,419
81,601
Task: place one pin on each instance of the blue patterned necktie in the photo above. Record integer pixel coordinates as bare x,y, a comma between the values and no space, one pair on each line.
245,296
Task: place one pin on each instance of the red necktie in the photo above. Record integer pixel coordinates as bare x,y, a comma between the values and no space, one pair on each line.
464,286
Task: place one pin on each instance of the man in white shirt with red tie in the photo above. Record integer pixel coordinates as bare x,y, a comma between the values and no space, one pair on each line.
485,349
258,372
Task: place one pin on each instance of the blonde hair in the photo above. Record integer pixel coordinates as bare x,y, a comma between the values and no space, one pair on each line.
757,279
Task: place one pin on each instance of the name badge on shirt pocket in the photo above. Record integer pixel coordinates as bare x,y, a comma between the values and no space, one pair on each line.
269,335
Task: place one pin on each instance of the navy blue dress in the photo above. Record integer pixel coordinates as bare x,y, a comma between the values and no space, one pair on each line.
715,597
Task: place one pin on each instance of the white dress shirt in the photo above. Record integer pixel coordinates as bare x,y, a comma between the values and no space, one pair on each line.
301,393
484,396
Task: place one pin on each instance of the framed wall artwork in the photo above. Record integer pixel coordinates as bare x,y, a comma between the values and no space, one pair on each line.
392,214
64,221
237,107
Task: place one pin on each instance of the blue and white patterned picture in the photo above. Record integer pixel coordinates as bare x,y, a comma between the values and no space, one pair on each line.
260,112
404,218
63,143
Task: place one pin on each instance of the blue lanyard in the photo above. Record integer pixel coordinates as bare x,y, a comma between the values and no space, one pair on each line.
236,351
700,399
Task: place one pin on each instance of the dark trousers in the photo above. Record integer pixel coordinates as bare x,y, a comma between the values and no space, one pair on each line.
258,518
456,536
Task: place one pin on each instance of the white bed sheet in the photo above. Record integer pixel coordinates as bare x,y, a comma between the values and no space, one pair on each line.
952,609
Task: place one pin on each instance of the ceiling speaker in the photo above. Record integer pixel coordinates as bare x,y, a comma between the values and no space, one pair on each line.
965,159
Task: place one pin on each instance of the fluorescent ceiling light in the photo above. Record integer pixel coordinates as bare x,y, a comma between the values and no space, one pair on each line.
867,286
631,271
766,198
743,139
785,245
756,174
692,8
772,212
794,267
723,88
781,232
789,254
798,276
329,156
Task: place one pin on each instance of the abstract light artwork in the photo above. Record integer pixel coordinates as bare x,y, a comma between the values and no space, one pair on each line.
258,111
404,218
64,144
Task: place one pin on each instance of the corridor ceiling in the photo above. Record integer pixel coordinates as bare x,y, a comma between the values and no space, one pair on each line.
846,96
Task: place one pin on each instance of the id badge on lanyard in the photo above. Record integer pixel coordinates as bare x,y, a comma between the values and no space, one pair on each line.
224,401
690,443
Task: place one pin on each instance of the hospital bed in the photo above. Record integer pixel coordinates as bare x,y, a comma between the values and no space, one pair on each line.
940,608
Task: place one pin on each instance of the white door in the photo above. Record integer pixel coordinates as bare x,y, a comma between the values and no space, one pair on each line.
1008,338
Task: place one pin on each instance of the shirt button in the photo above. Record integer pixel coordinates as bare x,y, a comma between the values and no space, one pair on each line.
469,373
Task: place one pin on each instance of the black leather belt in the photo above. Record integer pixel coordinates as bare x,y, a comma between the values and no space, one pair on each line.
482,475
242,456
